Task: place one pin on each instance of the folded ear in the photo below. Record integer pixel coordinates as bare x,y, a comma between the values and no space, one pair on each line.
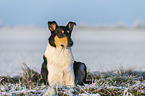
52,25
70,25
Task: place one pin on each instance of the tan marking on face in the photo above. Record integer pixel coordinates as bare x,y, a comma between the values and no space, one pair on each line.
60,41
67,31
62,31
41,76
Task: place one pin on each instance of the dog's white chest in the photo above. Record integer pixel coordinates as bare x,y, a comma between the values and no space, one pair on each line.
59,57
60,65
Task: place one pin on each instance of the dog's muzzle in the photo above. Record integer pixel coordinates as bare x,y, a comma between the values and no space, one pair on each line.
70,44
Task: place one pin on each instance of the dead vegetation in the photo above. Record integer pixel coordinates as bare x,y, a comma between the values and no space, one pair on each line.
115,83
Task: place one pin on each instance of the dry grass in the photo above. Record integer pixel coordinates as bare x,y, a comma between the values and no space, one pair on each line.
115,83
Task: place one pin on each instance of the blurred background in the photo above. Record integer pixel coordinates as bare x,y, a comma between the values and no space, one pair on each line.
110,34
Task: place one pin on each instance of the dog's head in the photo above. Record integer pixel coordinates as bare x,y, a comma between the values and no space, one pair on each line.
60,35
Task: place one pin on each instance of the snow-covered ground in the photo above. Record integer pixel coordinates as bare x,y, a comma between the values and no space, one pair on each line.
100,49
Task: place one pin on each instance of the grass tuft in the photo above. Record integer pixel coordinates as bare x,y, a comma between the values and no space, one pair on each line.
116,83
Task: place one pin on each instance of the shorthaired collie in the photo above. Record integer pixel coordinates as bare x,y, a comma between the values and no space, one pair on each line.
59,65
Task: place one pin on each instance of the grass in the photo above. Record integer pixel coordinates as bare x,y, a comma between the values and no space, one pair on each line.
114,83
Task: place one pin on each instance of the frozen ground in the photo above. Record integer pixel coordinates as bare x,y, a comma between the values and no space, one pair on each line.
100,49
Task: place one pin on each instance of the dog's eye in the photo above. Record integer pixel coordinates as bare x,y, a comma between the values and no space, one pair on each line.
61,33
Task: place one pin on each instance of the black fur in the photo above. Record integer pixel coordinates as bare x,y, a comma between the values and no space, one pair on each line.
51,41
79,73
44,71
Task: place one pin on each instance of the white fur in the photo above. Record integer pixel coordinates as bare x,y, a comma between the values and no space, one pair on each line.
60,65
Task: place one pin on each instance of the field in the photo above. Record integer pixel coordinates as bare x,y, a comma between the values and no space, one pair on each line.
116,83
115,58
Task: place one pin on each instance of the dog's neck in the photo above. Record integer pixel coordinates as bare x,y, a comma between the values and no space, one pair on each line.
58,56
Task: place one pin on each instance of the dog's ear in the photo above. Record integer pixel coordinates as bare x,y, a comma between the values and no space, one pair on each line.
70,25
52,25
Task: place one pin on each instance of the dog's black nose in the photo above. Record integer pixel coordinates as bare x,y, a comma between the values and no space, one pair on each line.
70,44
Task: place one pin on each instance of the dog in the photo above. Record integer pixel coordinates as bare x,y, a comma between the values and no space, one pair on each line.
59,65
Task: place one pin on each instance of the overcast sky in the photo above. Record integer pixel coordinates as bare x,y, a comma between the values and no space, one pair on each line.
38,12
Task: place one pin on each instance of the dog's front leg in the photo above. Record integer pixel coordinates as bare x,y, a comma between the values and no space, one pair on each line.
55,76
69,77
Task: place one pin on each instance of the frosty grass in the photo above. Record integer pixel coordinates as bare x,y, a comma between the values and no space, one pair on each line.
116,83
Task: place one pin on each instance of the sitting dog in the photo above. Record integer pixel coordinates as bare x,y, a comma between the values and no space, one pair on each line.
59,65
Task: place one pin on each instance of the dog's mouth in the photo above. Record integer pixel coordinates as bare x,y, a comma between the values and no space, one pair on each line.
62,45
67,46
